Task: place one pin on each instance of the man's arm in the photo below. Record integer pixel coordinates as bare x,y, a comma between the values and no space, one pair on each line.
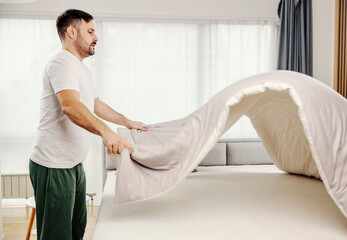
79,114
105,112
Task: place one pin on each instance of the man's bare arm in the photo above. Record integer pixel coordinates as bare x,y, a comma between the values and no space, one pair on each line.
79,114
105,112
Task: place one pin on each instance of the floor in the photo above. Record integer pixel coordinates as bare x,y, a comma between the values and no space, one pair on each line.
16,221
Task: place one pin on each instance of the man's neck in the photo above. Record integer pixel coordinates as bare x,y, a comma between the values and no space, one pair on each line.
73,52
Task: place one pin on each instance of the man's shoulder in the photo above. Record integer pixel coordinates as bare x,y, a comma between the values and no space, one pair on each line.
62,57
60,61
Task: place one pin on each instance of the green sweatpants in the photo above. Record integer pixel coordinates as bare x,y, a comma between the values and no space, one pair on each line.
60,196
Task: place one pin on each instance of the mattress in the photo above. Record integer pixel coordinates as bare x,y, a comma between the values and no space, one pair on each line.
226,202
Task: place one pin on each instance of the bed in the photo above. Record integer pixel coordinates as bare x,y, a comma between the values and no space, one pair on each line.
237,193
302,125
226,202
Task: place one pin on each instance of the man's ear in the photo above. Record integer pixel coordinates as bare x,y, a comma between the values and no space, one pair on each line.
71,32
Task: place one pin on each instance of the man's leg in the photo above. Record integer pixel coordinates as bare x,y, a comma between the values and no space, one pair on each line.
79,219
54,194
38,177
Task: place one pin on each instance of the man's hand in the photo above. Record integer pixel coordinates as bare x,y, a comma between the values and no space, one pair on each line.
115,143
136,125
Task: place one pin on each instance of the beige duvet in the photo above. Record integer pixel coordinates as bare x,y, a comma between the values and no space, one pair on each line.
301,122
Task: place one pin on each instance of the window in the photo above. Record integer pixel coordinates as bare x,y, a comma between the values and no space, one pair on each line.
150,71
163,71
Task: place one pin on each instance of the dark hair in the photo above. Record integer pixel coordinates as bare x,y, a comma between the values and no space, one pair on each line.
71,17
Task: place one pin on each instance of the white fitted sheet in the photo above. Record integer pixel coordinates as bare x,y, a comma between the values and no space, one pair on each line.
226,202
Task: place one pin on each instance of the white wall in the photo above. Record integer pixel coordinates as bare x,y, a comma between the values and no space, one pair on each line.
153,8
0,203
323,40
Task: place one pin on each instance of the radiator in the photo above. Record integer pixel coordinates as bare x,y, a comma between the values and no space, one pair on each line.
16,186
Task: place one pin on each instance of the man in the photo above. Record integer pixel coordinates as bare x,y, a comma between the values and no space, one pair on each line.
67,102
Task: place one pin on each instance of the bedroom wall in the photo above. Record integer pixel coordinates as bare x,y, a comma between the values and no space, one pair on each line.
323,40
153,8
323,17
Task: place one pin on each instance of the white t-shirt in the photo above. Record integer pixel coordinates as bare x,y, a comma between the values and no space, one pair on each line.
61,143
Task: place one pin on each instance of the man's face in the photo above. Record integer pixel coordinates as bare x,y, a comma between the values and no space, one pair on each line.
86,39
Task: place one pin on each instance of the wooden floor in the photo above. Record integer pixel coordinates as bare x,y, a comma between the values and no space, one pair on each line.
16,220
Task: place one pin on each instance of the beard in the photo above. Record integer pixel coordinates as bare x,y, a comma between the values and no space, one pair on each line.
83,48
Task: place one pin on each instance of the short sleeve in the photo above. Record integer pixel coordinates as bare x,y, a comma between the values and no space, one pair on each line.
93,83
62,76
96,95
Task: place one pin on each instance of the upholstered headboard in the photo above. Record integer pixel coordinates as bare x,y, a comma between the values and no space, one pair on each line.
243,151
237,152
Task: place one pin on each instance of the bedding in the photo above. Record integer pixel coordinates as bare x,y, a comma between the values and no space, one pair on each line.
301,122
243,202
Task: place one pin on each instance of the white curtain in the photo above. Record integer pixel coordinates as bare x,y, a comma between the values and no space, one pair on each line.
162,71
149,71
27,44
233,51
